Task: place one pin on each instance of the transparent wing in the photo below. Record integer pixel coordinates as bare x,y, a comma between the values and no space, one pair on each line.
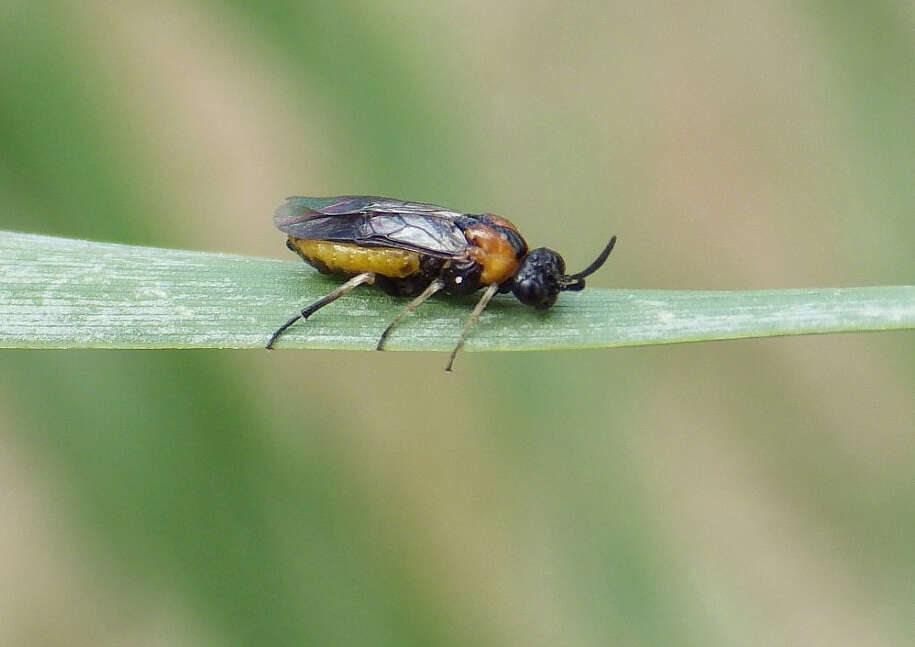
351,204
376,222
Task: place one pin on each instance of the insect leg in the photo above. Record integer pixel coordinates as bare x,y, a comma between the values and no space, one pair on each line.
431,289
359,279
471,320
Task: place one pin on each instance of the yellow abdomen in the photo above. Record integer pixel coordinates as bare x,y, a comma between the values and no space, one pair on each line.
349,258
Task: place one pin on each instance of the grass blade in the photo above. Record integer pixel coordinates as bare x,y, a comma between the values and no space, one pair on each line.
64,293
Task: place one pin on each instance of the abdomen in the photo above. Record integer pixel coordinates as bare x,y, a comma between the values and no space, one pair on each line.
350,259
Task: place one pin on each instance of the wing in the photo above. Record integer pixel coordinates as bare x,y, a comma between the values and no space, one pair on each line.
375,222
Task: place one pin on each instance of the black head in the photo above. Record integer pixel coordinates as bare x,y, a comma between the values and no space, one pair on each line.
542,276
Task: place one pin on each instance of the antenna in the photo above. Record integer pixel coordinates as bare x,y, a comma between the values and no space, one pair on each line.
576,282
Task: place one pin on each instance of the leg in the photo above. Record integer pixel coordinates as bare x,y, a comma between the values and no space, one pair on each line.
359,279
431,289
481,304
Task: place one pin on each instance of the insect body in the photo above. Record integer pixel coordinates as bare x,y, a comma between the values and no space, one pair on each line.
415,249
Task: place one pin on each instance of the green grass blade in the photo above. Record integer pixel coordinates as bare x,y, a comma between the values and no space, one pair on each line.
63,293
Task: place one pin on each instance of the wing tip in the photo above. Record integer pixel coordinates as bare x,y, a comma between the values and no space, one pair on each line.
293,210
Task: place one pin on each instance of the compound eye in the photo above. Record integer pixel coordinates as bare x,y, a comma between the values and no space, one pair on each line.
527,292
538,280
536,294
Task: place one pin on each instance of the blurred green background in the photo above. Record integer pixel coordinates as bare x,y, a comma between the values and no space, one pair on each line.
751,493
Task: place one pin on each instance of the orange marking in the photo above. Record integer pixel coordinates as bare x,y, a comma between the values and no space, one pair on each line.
493,252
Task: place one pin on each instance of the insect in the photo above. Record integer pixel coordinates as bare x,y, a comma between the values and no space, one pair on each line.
416,249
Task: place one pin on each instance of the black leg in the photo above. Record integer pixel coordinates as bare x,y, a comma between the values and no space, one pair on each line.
431,289
359,279
471,320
